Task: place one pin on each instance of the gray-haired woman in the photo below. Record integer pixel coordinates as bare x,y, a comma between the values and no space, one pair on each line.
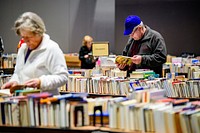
40,62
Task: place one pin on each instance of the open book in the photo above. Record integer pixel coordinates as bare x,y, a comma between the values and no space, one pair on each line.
123,60
5,92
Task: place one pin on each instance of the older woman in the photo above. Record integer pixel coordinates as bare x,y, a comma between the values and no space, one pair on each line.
40,62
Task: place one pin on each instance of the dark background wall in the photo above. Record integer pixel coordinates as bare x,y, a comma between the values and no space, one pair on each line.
67,21
177,20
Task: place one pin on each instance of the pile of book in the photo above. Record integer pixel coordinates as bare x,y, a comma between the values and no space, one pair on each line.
142,74
182,89
163,116
44,109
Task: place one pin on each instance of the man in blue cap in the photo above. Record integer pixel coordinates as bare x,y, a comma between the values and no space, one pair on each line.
145,46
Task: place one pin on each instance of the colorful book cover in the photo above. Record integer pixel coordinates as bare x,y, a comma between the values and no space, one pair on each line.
123,60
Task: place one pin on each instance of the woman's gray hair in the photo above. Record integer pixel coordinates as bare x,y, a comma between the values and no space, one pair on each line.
30,21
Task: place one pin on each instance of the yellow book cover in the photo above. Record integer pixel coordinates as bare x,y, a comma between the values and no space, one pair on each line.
123,60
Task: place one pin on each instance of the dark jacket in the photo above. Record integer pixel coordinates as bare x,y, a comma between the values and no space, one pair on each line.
152,49
86,63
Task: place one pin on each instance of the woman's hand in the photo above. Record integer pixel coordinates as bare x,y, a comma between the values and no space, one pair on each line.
9,85
86,56
34,83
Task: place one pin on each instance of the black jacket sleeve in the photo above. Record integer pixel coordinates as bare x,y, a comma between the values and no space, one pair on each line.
159,53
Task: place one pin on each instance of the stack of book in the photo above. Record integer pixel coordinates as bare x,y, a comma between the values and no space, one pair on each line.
142,74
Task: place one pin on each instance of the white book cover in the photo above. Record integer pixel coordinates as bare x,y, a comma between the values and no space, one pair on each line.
111,116
7,108
24,116
131,120
187,116
124,113
15,114
135,116
86,116
5,92
139,116
159,118
50,114
62,113
112,110
44,116
31,113
56,115
67,115
195,119
151,114
6,116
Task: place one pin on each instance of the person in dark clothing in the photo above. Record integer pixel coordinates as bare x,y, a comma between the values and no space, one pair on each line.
145,46
85,53
1,45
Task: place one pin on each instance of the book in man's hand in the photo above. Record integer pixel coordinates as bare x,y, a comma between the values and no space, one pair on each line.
123,60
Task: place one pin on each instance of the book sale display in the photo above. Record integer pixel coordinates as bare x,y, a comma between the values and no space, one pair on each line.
104,100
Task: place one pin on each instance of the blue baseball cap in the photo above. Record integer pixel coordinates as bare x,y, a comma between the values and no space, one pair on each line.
131,22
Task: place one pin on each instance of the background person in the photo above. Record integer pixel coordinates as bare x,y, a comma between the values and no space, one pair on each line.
40,62
1,46
145,46
85,53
